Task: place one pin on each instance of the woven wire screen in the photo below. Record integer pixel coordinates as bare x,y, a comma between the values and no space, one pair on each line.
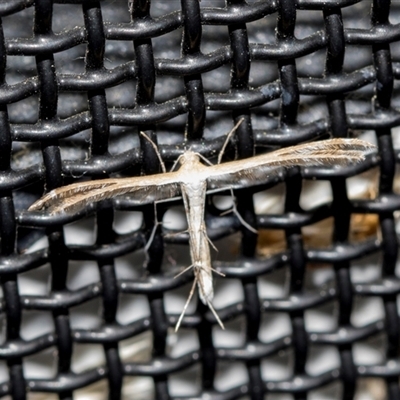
80,79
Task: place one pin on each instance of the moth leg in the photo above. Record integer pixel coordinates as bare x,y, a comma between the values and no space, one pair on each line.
211,243
217,272
185,270
156,150
210,306
172,234
206,160
154,230
151,237
157,222
175,163
239,217
199,279
228,138
178,324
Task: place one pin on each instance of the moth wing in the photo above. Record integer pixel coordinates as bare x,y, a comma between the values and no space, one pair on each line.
265,167
144,189
63,192
244,177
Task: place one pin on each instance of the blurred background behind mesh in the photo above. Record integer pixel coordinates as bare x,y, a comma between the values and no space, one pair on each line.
310,305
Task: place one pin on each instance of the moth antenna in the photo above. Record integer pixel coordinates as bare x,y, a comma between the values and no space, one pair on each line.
228,138
156,150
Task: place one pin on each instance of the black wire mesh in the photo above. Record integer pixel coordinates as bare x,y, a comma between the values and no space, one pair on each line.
75,93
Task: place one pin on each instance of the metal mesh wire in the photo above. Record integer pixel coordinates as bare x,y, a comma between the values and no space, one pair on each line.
80,79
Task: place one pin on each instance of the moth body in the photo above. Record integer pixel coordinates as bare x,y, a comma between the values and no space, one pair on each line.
193,194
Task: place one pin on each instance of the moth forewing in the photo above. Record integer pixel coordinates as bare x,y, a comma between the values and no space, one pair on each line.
257,169
75,197
326,152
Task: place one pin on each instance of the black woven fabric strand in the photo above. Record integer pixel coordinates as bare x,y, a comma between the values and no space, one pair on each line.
79,80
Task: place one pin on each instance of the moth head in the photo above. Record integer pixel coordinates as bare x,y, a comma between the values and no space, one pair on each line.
189,157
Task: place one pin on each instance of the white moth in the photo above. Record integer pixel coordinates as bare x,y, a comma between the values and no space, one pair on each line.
192,181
